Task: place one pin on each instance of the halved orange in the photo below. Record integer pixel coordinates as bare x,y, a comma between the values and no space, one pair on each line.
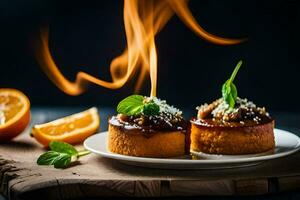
14,113
71,129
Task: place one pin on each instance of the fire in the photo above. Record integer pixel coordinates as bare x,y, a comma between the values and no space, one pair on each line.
143,19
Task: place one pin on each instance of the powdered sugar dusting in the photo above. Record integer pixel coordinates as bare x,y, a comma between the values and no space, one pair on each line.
164,107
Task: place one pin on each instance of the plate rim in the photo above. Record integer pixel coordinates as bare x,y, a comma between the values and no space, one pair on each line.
177,161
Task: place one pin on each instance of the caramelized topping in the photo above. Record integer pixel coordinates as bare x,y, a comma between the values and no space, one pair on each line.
205,110
244,110
168,118
149,124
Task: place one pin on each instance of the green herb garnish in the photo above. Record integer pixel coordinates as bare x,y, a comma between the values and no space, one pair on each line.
229,91
135,105
151,108
61,155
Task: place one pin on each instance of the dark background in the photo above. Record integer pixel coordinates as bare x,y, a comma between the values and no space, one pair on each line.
87,35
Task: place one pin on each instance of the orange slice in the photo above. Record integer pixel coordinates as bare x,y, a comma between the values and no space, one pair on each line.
71,129
14,113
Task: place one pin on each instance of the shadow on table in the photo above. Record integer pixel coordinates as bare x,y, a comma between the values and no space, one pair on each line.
18,145
293,195
190,173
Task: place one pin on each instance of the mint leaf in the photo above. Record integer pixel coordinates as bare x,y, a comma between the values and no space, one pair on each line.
62,161
47,158
151,109
61,155
136,105
131,105
229,91
59,160
63,147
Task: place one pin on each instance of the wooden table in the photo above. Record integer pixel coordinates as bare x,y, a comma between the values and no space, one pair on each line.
21,178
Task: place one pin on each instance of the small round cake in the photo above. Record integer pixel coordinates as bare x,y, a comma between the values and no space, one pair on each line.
159,134
243,129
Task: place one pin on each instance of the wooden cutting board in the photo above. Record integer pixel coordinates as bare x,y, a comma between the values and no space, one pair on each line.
93,176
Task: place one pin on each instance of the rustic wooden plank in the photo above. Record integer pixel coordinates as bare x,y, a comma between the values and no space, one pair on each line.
20,177
196,188
112,178
252,187
289,183
6,166
147,188
101,177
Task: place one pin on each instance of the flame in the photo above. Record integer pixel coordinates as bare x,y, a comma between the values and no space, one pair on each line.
143,19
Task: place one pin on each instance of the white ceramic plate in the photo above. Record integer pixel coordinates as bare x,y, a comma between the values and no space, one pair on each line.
286,143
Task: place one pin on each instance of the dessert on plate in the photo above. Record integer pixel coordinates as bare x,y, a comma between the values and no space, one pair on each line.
147,127
232,125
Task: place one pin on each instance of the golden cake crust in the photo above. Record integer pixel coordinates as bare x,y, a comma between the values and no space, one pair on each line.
135,143
232,140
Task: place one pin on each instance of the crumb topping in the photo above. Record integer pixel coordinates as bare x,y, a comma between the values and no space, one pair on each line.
165,109
243,110
168,118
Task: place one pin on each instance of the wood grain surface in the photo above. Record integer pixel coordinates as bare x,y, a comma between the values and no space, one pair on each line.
93,176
